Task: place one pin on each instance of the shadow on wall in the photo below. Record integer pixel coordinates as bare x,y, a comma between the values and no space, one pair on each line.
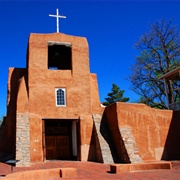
105,132
172,145
114,139
117,147
93,155
7,146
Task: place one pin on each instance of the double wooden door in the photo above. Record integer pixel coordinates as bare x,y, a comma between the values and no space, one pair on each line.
57,147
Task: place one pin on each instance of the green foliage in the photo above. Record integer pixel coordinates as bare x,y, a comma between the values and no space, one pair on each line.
115,96
159,54
156,105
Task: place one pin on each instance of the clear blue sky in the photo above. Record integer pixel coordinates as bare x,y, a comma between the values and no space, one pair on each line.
110,26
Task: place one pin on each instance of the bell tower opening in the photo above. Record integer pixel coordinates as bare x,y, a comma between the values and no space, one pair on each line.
59,56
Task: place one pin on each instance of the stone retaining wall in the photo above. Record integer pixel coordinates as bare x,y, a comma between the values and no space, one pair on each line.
130,144
22,140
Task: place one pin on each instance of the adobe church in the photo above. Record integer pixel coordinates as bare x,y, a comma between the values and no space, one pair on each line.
54,112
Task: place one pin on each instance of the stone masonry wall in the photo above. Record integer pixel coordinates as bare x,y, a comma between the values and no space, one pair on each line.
130,144
103,149
97,119
106,152
22,140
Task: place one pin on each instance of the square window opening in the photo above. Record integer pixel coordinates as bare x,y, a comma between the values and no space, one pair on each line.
59,57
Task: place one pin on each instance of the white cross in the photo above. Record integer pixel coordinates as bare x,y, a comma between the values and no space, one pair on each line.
57,18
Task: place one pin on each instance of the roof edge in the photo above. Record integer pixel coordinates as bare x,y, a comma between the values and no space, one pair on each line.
170,73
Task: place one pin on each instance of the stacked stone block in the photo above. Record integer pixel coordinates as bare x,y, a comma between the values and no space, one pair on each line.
130,144
22,140
103,150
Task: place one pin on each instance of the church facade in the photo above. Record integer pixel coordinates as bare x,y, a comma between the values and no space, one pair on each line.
55,95
54,112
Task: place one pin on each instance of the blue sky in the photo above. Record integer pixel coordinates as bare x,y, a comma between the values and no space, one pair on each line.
111,27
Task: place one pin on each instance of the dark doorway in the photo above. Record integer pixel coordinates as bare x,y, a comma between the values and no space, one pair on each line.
58,139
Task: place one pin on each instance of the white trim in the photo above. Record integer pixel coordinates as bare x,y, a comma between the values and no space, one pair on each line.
57,16
64,90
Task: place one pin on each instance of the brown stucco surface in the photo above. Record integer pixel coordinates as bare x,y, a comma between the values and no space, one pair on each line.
91,170
31,94
155,131
9,130
42,82
45,174
32,91
81,90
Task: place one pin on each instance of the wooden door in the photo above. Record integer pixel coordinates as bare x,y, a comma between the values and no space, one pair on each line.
57,147
50,147
62,147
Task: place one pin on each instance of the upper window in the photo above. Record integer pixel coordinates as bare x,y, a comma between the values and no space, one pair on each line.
61,97
59,56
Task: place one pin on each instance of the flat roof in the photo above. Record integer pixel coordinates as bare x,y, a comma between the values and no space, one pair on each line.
172,75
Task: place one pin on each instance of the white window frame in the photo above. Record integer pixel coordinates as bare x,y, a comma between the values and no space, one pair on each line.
64,90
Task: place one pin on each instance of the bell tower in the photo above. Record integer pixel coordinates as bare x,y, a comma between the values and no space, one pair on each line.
53,99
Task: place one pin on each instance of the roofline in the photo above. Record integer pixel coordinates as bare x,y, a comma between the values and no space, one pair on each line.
170,73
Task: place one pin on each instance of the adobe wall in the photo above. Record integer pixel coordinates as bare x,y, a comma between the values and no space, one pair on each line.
31,97
95,103
78,82
85,135
36,141
155,131
7,145
82,98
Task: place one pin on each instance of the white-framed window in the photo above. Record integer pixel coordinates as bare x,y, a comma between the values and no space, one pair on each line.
60,96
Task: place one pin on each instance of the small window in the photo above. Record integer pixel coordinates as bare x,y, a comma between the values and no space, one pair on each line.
60,97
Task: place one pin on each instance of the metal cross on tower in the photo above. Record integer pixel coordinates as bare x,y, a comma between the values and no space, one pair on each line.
57,18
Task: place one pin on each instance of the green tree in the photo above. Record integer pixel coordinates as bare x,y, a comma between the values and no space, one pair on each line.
143,100
159,53
116,95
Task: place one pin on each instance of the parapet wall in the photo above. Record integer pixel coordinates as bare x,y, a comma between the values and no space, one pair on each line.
155,131
7,146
